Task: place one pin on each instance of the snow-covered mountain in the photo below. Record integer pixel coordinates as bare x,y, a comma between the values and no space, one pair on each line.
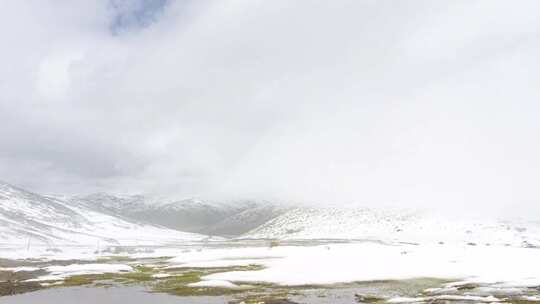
27,217
245,220
229,218
394,225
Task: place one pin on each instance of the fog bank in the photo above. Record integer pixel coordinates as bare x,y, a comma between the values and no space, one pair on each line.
343,102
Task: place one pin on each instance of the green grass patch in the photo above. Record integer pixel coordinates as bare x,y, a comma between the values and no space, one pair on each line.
140,274
86,279
177,285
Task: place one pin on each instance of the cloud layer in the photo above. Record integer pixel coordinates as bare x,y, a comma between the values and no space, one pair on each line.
370,102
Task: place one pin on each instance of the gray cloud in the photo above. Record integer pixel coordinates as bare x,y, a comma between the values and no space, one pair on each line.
129,15
372,102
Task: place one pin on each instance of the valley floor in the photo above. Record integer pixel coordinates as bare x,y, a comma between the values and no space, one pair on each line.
263,271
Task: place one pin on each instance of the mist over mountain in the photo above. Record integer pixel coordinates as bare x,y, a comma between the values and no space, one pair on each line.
27,217
229,218
31,219
424,104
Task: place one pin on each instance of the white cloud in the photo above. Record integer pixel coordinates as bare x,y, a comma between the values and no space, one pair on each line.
372,102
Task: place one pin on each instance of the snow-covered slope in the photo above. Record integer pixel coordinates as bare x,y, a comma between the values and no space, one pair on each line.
253,216
392,225
27,217
228,218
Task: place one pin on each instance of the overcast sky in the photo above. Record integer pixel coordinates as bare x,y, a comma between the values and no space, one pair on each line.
361,101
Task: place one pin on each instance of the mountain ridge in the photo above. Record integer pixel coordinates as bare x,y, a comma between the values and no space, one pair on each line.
30,217
228,218
396,226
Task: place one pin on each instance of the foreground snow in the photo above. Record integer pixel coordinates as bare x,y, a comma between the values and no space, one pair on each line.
367,261
474,299
62,272
494,272
215,284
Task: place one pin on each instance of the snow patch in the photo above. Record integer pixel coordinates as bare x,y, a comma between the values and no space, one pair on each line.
214,284
475,299
342,263
62,272
20,269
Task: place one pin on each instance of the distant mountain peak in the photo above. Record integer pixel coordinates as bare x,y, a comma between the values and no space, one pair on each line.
51,220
